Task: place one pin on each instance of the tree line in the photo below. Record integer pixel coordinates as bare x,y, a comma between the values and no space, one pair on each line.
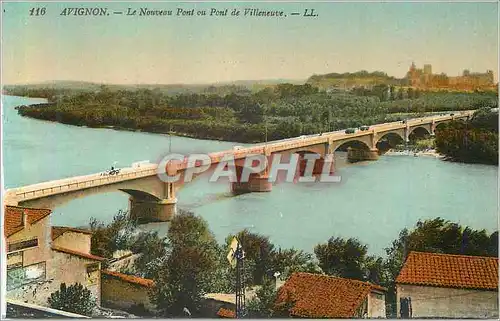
188,262
280,111
474,141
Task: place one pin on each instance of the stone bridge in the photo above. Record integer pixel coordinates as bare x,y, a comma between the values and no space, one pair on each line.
153,199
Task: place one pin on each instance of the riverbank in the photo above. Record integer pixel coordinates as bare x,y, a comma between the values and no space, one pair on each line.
311,213
428,152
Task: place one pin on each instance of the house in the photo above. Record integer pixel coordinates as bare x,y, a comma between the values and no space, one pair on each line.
40,258
223,305
310,295
72,261
126,292
432,285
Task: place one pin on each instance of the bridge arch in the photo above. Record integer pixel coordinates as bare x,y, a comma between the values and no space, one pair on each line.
140,195
389,140
420,129
419,132
390,134
363,142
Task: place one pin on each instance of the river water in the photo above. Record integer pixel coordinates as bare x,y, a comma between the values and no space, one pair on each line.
373,203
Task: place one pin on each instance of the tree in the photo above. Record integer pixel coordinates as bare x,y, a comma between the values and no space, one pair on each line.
411,93
188,272
392,92
75,298
463,142
258,249
117,235
400,95
153,251
342,258
288,261
262,306
486,119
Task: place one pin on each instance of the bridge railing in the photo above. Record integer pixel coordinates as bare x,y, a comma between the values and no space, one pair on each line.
77,183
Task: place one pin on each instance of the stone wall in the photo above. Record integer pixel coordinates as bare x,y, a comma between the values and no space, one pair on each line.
74,241
436,302
120,294
62,268
71,269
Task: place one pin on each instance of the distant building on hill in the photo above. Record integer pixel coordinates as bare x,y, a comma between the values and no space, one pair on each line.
425,79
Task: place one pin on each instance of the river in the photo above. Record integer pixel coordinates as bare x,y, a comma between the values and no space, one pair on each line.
373,203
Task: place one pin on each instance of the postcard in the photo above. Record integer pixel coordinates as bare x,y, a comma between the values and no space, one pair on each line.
232,159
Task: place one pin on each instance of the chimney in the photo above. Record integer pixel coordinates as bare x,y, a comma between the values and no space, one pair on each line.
25,218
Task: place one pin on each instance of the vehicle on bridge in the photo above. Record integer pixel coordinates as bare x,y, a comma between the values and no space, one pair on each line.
363,128
139,164
111,171
350,130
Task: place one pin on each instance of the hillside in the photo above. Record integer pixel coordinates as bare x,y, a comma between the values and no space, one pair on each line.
349,80
221,88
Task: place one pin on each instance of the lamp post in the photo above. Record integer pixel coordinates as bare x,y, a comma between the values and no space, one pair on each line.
236,258
240,283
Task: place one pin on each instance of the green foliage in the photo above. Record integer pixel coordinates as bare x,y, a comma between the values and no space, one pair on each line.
237,115
106,239
288,261
263,305
122,234
475,141
74,298
348,259
190,269
258,249
153,249
486,119
424,144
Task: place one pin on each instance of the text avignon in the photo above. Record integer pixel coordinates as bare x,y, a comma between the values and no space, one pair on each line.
84,12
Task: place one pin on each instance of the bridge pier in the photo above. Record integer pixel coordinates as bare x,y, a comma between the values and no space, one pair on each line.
152,211
256,183
358,155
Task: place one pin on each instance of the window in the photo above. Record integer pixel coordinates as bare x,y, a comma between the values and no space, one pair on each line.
16,246
14,260
92,275
24,275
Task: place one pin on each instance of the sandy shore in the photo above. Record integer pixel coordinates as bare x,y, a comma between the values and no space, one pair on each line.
429,152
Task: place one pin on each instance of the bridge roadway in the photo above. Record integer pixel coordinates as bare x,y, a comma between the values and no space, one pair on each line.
25,194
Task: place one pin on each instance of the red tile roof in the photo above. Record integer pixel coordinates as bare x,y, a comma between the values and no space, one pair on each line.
77,253
453,271
13,218
225,313
322,296
129,278
60,230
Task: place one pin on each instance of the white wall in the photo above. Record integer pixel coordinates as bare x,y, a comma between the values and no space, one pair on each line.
436,302
376,305
74,241
63,268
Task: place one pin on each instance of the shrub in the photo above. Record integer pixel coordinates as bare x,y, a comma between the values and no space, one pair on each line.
74,298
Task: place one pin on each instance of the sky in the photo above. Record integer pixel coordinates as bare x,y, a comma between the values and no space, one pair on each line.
344,37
